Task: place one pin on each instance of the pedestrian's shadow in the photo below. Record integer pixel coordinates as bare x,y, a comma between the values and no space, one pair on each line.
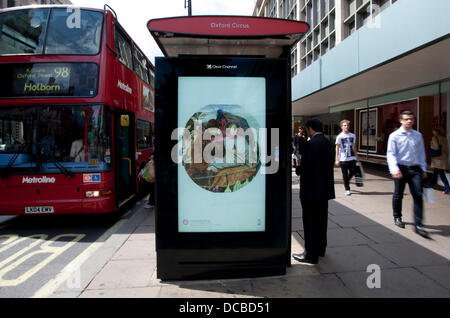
372,192
442,230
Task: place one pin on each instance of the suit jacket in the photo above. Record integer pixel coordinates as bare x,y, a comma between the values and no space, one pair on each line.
316,169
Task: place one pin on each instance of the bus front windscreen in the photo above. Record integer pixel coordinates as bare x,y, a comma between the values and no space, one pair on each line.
55,139
70,31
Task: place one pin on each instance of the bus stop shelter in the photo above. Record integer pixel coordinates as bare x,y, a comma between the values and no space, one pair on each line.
223,145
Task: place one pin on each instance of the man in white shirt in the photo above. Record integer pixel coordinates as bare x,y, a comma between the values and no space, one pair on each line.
407,164
346,156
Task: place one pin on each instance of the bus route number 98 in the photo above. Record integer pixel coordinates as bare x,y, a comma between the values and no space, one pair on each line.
61,72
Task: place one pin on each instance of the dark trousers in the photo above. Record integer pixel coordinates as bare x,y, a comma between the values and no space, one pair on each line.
151,190
413,177
433,178
315,223
348,169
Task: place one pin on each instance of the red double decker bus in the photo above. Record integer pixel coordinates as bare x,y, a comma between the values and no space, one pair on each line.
76,111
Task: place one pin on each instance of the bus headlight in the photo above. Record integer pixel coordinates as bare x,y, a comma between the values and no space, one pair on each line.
92,194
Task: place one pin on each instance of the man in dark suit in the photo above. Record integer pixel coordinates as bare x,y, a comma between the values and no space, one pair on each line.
316,188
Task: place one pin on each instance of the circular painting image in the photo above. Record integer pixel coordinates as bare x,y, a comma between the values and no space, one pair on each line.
220,148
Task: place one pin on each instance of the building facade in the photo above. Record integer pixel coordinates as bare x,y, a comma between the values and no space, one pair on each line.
17,3
331,21
366,61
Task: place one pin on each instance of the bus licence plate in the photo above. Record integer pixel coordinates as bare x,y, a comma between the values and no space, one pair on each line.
39,209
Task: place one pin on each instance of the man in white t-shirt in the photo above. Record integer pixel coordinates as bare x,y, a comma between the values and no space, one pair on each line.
346,156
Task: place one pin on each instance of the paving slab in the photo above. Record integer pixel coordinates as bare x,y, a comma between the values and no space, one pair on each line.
299,228
124,274
394,282
136,249
211,290
143,232
297,224
335,209
351,220
345,237
232,288
300,269
438,273
385,218
150,219
382,234
351,259
408,253
314,286
131,292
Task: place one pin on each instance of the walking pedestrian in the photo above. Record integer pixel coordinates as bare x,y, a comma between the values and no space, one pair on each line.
148,175
406,160
316,188
346,155
439,162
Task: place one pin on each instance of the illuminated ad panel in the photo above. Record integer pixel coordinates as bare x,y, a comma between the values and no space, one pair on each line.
221,181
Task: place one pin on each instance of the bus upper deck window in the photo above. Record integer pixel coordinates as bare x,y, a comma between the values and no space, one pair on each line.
123,49
23,31
79,35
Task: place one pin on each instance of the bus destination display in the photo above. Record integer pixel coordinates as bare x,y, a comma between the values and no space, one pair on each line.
49,79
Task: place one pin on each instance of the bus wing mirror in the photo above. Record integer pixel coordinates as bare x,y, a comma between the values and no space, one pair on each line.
124,120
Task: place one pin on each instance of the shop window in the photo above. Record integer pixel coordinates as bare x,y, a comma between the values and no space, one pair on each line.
440,111
389,121
368,131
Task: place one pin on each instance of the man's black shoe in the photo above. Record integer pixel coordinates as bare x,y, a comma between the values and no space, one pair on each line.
303,258
399,223
421,231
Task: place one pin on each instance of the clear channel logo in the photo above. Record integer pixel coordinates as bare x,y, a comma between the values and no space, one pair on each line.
221,67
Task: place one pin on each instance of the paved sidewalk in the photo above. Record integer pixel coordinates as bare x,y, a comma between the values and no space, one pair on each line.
360,233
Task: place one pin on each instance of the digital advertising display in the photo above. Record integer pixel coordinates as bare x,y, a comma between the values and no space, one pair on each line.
221,180
222,155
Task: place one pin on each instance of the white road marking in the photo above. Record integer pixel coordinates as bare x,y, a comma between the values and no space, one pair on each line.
12,241
75,265
11,238
45,248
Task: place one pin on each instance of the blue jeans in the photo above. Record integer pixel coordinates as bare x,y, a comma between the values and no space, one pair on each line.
412,176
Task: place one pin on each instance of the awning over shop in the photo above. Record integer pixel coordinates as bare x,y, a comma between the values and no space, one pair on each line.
420,67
